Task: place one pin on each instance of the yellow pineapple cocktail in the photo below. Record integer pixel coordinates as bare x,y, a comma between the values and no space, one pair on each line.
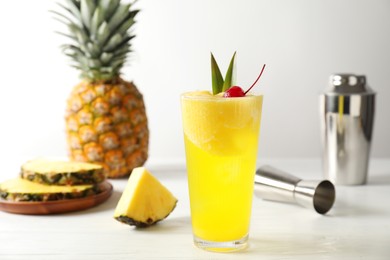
221,140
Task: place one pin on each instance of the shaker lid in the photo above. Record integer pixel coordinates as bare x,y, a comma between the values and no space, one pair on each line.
348,84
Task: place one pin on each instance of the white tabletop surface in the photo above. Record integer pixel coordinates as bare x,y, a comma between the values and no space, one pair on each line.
357,227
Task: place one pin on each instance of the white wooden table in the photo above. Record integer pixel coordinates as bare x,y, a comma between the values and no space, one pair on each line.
357,227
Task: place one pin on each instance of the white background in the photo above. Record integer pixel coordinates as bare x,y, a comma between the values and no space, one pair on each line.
302,43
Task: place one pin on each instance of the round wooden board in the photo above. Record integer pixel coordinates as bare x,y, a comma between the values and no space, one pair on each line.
58,206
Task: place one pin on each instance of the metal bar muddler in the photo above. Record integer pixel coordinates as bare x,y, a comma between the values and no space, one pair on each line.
274,184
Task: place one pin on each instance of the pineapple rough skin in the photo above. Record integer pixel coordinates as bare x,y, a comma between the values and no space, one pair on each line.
65,178
107,125
139,224
60,173
49,196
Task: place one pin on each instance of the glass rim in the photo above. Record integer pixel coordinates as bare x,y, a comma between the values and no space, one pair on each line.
188,95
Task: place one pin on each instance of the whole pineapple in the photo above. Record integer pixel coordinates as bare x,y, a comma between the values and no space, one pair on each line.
106,121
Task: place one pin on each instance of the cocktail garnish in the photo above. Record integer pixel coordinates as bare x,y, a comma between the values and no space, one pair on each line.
225,85
218,83
236,91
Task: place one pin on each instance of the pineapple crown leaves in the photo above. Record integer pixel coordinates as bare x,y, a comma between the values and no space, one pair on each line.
218,83
101,36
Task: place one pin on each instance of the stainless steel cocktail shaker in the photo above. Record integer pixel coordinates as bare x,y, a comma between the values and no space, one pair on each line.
347,115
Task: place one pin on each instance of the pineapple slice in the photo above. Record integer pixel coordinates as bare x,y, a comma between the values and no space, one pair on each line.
23,190
62,172
145,201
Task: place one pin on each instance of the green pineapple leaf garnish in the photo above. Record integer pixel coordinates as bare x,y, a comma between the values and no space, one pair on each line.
229,75
218,83
216,76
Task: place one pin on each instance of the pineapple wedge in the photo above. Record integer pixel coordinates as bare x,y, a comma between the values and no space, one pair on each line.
145,201
23,190
52,172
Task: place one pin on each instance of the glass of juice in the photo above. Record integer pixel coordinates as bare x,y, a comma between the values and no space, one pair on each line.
221,141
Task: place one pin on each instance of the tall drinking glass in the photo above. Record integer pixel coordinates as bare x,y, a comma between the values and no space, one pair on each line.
221,140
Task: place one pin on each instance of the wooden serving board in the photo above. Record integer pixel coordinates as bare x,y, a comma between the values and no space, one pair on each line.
58,206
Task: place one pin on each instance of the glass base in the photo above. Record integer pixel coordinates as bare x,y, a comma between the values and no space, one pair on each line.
222,247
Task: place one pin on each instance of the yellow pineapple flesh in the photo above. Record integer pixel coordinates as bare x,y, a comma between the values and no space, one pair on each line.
145,201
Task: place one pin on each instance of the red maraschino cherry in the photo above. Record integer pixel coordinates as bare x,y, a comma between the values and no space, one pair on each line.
236,91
